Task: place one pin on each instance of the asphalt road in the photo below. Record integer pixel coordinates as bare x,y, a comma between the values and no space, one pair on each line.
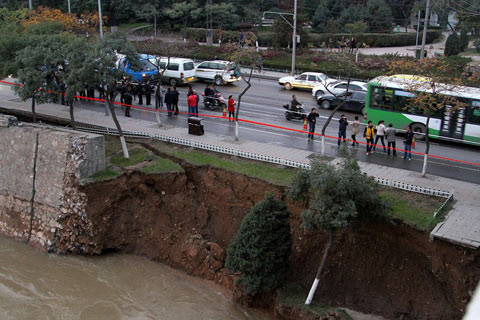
263,103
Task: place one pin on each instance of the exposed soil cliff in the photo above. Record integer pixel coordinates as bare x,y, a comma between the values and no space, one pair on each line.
187,221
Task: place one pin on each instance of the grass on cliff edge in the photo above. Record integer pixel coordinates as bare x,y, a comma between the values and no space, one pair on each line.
412,208
293,295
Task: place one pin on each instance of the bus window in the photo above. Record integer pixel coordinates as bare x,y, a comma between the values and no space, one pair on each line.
474,116
381,99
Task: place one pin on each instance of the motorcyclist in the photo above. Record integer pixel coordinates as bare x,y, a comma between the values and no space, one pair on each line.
294,105
209,93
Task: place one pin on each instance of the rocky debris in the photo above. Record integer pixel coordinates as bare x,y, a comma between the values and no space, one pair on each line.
8,121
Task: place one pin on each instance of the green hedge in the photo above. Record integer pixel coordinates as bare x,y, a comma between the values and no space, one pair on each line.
375,39
265,39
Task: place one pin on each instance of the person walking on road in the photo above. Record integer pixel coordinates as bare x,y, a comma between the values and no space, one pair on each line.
407,143
231,109
380,135
342,129
175,100
192,102
355,131
169,101
128,98
390,135
312,120
369,134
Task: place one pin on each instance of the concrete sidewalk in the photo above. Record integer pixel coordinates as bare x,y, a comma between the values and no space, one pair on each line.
461,226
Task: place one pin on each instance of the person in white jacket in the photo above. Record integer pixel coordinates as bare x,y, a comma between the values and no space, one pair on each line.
380,135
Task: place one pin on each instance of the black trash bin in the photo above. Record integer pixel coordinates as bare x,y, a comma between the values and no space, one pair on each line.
195,126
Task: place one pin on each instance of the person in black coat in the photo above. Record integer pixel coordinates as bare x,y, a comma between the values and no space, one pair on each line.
148,92
312,121
169,101
128,98
175,99
140,91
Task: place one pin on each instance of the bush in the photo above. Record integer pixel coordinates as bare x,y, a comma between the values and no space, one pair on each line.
375,39
453,45
476,43
261,248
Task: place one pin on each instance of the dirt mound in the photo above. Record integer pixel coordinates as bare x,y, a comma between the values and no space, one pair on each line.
187,221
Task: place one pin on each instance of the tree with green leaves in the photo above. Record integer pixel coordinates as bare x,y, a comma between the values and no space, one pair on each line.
36,68
380,16
261,247
337,196
184,10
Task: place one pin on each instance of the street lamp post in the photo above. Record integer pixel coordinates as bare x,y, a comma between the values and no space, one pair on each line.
425,26
30,4
69,10
294,27
100,18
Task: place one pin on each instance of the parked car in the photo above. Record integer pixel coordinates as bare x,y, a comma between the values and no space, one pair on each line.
218,71
338,87
355,101
179,70
306,80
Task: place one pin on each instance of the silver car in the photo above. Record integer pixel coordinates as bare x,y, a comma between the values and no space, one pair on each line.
338,87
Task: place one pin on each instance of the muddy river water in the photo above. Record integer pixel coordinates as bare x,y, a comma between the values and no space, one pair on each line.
35,285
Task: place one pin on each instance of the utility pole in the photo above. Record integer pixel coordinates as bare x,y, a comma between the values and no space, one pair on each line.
69,11
30,4
425,27
209,35
100,18
294,37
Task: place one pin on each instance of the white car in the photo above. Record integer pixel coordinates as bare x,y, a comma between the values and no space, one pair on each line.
179,70
306,80
218,71
338,87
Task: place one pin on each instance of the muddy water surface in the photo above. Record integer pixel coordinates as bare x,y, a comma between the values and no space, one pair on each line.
34,285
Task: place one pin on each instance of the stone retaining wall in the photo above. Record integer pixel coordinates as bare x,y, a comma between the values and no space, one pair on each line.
40,168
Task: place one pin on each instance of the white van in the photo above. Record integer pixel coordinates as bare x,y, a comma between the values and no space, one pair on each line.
179,70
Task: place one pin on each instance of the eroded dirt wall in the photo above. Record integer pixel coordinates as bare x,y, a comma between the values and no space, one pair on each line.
187,221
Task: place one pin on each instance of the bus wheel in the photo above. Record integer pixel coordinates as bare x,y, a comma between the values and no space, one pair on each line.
419,130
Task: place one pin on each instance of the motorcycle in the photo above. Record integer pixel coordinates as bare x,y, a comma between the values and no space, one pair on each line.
298,113
214,102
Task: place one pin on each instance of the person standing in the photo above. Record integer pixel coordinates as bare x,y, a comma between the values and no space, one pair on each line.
140,90
231,109
355,131
390,135
175,99
407,142
169,101
191,101
197,101
312,120
342,129
380,135
148,92
369,134
128,98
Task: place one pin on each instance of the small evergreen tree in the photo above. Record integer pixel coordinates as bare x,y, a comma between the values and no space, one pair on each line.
261,248
338,196
452,45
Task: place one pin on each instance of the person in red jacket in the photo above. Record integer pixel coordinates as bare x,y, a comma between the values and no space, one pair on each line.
192,103
231,109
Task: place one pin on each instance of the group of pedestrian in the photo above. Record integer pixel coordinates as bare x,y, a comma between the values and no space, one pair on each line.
372,134
171,101
129,91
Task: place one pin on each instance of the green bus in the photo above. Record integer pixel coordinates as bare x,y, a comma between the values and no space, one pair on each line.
387,99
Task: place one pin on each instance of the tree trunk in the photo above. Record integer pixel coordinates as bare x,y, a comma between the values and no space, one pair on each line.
240,100
34,117
320,268
72,116
119,129
332,114
155,24
427,148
